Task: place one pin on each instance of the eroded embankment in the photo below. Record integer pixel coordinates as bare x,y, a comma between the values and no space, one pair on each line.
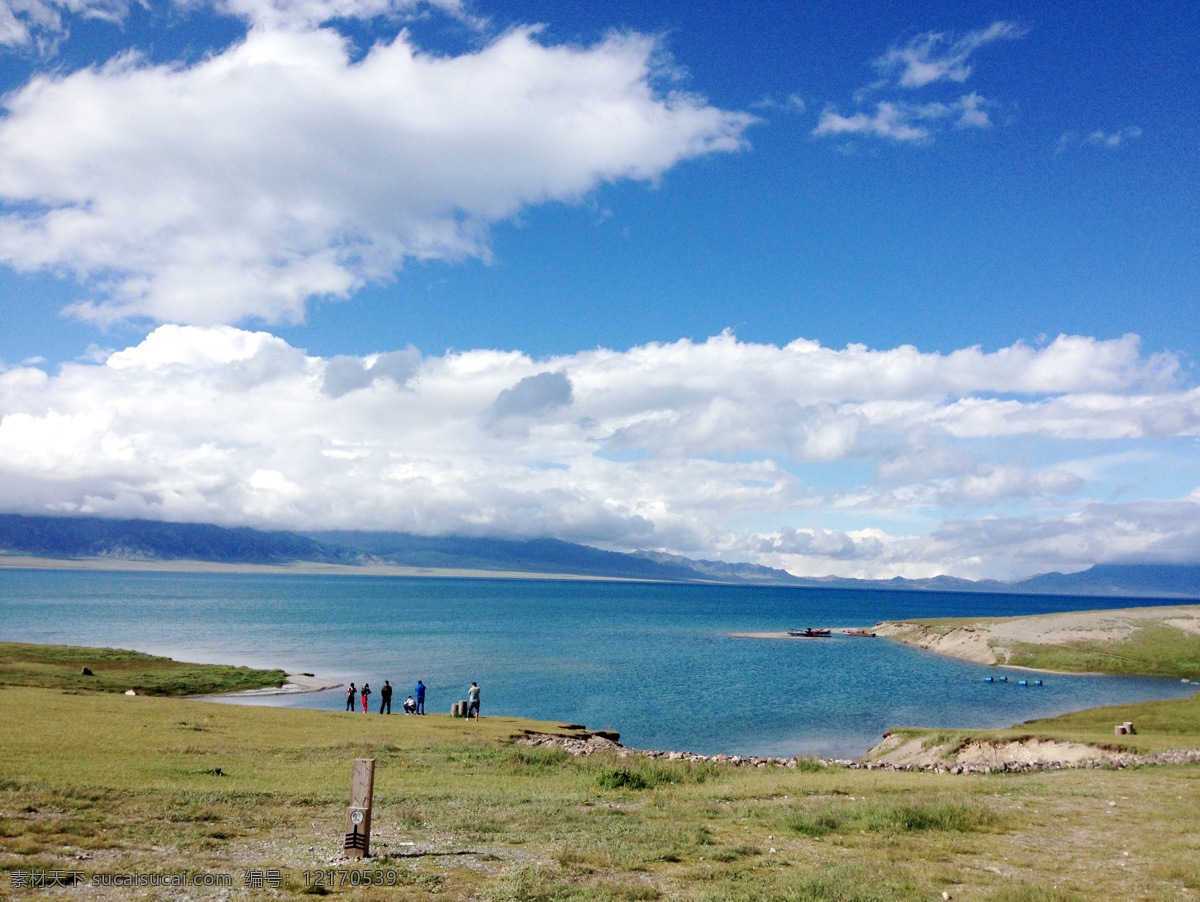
975,755
970,643
899,753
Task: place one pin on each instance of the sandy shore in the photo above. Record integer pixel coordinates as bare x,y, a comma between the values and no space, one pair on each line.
305,568
297,684
990,640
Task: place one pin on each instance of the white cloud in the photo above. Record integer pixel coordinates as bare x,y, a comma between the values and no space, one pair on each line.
898,121
38,24
687,447
935,56
1097,138
1116,138
279,170
346,373
925,60
889,121
533,395
972,112
310,13
999,547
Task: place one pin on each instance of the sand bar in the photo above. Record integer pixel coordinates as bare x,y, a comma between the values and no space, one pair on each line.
990,640
297,684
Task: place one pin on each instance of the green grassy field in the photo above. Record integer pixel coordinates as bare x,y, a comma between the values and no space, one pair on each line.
117,670
109,784
1155,649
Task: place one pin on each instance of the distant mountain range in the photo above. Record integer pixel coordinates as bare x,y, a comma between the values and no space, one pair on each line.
95,537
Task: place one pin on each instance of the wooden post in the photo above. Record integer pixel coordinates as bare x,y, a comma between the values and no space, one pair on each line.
358,817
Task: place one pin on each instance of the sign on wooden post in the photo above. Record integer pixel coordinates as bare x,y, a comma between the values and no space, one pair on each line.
358,817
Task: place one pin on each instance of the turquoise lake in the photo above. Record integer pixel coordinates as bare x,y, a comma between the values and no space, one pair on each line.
654,661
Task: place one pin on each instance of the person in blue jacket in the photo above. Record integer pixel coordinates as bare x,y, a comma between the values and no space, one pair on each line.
420,693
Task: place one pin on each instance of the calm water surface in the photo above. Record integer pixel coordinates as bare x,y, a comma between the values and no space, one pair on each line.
653,661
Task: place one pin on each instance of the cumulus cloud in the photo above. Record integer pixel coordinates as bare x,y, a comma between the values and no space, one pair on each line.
673,446
924,60
280,169
827,544
532,396
345,373
999,547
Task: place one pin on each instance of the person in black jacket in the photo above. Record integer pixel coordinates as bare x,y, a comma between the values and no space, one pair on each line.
385,697
350,694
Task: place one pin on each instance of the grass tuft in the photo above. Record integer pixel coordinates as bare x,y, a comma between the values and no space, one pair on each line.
891,816
621,778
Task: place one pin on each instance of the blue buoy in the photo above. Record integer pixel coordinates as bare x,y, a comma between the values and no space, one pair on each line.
1023,682
1003,679
1037,682
987,679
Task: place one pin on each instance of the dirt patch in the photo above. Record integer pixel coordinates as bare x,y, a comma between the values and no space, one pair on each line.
1030,751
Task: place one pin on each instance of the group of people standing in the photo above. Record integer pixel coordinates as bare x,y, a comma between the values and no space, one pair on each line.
414,704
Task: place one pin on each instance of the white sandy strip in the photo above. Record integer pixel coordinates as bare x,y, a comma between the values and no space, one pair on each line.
305,568
297,684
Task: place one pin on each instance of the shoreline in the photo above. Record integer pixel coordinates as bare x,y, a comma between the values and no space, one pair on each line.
1019,667
297,684
298,568
991,641
844,632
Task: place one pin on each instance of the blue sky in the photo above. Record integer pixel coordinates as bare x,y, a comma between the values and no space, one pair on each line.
601,210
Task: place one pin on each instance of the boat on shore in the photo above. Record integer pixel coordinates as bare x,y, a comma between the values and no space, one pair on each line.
861,633
809,633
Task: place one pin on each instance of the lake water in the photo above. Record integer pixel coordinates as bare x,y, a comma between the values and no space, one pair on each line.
653,661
